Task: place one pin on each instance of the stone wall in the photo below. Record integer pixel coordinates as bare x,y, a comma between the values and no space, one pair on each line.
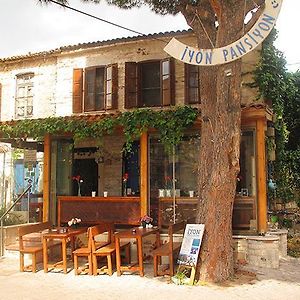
53,74
261,251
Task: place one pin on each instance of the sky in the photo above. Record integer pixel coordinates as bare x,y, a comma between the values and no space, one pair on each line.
27,26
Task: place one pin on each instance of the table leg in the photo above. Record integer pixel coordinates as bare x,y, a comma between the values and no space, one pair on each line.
157,244
118,256
45,255
64,254
73,241
140,255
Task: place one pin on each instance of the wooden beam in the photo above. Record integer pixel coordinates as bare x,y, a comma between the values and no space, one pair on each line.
255,113
262,206
46,177
144,173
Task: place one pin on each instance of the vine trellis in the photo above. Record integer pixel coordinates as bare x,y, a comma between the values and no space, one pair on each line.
170,125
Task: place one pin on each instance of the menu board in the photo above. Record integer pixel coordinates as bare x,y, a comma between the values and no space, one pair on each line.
191,244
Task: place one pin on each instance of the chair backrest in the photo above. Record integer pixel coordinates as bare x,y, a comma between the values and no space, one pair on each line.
174,228
31,228
97,230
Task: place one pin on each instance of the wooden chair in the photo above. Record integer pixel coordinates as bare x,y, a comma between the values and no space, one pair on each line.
168,249
85,251
107,250
32,244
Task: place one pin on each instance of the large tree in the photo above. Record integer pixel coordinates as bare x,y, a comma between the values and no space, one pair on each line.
217,22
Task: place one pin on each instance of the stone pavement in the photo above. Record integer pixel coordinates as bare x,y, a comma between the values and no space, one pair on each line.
283,283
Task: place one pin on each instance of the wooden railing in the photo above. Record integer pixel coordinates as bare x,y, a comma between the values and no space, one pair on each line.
244,211
93,210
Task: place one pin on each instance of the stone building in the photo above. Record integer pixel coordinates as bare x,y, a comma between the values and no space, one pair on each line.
92,80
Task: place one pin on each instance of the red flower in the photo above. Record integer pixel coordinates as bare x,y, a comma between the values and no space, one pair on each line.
125,177
146,219
77,178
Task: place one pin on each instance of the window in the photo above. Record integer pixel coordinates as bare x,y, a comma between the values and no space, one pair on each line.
183,166
24,96
246,181
192,93
149,83
100,88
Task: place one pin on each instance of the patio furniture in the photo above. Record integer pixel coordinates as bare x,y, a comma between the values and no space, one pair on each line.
138,234
30,242
168,249
83,252
107,250
65,235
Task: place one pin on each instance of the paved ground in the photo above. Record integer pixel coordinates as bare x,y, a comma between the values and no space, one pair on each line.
282,284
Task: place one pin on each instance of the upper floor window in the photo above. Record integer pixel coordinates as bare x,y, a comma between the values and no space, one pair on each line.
149,83
192,86
95,88
24,96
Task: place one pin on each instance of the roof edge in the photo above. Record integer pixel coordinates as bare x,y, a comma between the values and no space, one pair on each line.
88,45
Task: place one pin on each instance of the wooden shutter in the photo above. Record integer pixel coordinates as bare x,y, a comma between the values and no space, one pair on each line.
191,79
131,79
111,92
167,81
77,90
89,89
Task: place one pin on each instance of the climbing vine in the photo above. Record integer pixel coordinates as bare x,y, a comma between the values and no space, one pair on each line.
277,85
170,125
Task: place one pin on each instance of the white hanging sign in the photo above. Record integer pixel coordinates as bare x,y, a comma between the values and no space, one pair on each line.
229,53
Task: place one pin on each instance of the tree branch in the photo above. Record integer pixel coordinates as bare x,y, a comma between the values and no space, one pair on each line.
201,18
253,4
215,4
255,16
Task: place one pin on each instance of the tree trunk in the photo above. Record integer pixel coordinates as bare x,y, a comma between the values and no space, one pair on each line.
219,153
219,167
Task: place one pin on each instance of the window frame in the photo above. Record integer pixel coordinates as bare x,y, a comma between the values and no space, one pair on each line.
133,78
109,93
141,89
91,106
25,98
188,87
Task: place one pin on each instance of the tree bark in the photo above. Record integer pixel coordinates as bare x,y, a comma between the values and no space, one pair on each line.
220,142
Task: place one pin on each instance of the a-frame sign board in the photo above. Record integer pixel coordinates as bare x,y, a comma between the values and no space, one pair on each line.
190,248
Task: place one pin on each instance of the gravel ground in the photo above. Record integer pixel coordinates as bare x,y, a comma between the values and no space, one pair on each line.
282,283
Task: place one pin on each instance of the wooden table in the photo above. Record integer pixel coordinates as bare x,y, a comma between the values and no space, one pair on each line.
138,234
65,235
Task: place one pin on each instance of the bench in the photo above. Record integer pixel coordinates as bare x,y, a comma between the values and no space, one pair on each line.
107,250
30,242
169,249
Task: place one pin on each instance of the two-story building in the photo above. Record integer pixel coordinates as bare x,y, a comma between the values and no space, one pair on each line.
92,80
